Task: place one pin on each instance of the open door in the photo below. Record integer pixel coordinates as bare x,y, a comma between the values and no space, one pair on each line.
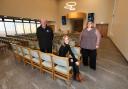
77,24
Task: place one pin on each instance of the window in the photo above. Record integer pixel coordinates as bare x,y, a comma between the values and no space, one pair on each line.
16,25
2,29
19,26
10,27
33,26
0,19
38,24
26,27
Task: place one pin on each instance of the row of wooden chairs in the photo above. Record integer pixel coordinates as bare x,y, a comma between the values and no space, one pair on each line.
46,62
32,38
8,40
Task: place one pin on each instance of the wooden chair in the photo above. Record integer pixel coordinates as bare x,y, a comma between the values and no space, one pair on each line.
19,52
62,68
26,54
15,51
3,48
35,59
46,63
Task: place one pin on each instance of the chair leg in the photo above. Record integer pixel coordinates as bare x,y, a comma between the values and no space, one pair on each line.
53,76
68,84
24,62
32,65
19,59
40,70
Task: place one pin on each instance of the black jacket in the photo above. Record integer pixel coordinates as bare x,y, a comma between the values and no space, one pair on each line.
64,49
45,37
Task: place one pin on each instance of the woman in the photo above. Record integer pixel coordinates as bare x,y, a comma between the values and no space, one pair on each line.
89,42
64,51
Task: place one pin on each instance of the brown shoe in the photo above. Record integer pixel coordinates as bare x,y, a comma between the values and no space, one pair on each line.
79,78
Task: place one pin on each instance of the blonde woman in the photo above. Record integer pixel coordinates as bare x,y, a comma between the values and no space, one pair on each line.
64,51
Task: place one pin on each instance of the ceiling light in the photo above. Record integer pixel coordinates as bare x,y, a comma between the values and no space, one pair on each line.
70,5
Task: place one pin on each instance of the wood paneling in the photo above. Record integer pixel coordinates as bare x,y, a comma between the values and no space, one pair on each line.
103,28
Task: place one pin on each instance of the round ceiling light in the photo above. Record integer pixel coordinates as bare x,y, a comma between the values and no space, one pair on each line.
70,5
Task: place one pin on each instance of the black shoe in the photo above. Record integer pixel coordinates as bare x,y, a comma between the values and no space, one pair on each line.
93,68
85,64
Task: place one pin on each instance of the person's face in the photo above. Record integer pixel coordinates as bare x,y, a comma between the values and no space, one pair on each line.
66,40
43,22
90,24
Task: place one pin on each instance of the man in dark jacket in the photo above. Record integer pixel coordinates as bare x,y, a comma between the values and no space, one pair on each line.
45,37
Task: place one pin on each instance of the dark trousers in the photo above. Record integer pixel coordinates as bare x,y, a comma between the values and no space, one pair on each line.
75,68
46,50
90,55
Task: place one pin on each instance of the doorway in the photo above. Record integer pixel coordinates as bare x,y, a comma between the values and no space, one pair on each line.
77,25
103,29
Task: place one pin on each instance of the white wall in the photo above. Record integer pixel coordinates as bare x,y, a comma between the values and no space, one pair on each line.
119,30
101,8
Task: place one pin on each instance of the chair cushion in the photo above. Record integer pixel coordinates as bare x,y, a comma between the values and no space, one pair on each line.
25,51
20,54
61,61
34,54
76,50
62,69
46,57
47,64
35,60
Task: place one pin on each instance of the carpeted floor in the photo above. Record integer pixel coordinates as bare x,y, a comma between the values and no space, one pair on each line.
111,73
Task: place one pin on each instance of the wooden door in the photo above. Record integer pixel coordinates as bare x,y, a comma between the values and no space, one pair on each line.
77,25
103,28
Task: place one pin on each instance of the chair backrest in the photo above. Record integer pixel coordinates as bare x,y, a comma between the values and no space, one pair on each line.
45,56
37,45
14,47
72,43
34,53
19,50
61,61
25,51
76,51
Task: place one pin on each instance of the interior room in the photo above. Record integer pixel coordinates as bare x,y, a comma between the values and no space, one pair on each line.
25,65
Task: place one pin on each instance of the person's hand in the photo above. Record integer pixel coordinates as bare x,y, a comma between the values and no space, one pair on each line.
97,46
77,63
71,60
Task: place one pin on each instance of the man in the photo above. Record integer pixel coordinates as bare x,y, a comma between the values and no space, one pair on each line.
45,37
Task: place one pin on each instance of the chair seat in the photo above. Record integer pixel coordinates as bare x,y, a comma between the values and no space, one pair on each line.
47,64
27,56
35,60
20,54
62,69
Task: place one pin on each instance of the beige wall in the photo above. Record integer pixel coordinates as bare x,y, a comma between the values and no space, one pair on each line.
101,8
119,29
53,9
30,8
